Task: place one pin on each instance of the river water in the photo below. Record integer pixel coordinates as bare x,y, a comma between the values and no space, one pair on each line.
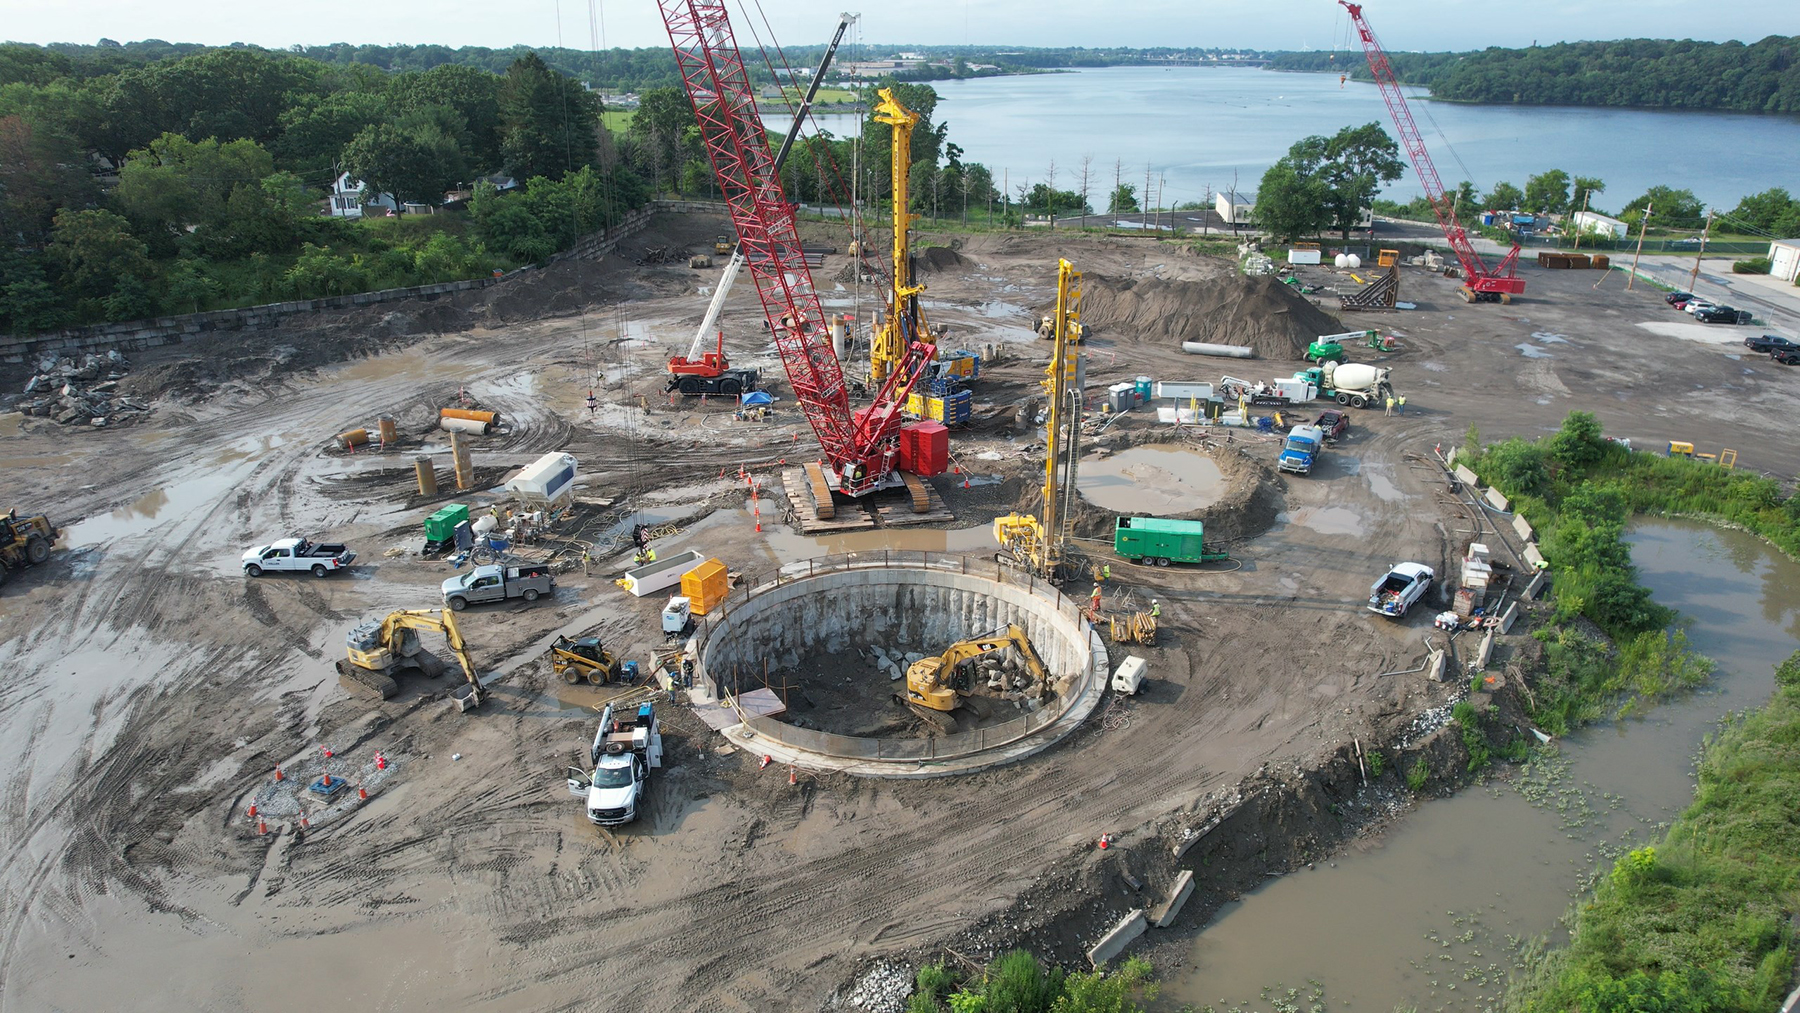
1202,128
1432,914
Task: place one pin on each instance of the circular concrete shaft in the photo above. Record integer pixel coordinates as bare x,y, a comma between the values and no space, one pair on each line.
842,606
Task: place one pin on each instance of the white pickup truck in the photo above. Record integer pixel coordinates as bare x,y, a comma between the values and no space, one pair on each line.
1396,592
624,752
297,554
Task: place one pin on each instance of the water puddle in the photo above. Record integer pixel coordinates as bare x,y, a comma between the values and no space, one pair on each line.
1158,480
1533,352
1385,489
1549,337
1325,520
169,504
1431,915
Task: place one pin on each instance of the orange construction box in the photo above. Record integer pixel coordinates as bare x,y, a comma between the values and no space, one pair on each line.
705,586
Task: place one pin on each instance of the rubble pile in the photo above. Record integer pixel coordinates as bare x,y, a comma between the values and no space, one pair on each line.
84,390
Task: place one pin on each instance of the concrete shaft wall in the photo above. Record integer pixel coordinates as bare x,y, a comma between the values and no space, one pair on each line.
842,610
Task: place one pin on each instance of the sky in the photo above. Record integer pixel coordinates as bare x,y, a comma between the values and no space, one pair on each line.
587,24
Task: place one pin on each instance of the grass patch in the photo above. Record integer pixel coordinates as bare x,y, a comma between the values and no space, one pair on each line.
1016,982
617,120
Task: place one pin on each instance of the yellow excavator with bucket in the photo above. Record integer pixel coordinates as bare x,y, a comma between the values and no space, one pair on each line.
380,650
940,683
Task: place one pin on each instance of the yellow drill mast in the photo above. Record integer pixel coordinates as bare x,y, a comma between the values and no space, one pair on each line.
1038,541
905,322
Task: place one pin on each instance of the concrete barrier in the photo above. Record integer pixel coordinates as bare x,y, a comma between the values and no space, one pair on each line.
1486,648
1508,617
1114,942
1468,477
1434,666
1499,500
1533,557
1164,914
1535,585
1523,527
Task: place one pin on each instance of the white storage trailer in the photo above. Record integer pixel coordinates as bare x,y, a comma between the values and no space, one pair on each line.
548,481
663,573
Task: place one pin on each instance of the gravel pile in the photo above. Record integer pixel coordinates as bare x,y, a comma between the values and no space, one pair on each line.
81,390
884,988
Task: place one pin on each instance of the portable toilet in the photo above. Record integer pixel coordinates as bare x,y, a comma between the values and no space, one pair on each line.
1143,389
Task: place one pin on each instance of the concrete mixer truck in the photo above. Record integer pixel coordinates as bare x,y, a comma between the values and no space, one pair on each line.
1350,383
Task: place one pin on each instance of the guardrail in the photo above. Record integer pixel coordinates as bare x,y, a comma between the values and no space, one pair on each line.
904,750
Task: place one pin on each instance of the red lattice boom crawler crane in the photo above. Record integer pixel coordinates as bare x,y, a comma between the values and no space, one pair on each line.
861,446
1480,282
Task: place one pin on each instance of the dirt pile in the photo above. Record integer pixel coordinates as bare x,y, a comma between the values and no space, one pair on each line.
940,260
1271,318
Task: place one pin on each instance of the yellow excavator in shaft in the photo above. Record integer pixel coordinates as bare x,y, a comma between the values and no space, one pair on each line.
940,683
381,649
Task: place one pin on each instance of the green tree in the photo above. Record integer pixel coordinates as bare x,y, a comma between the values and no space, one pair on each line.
188,287
1667,206
1465,199
315,128
1579,442
549,123
1355,162
1772,212
665,134
96,251
472,94
1503,197
416,159
28,302
1123,199
174,183
1291,204
1547,193
1582,193
39,174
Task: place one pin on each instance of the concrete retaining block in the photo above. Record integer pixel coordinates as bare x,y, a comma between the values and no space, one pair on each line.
1499,501
1537,583
1507,617
1110,945
1434,666
1486,648
1523,527
1533,557
1164,914
1467,477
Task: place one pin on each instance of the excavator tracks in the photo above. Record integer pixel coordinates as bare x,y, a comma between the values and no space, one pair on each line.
921,493
823,508
375,682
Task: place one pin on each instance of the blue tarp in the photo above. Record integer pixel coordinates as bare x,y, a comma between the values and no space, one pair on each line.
755,397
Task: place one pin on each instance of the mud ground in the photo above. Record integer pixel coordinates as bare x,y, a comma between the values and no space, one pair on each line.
154,689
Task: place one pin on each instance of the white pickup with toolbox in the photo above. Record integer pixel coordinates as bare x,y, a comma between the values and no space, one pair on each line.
297,555
624,752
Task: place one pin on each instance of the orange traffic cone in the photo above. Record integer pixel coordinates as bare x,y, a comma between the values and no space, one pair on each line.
361,792
793,775
262,826
252,812
279,776
766,760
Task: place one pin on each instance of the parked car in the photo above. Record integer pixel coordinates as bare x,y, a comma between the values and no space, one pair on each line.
1677,298
1769,343
1334,422
1786,356
1723,315
1696,304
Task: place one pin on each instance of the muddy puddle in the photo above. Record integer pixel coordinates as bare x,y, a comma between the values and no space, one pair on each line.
189,499
1431,915
1157,479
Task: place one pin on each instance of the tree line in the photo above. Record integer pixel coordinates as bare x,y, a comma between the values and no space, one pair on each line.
195,181
1763,77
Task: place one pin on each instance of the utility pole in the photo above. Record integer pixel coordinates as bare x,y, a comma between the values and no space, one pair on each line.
1584,207
1642,228
1695,276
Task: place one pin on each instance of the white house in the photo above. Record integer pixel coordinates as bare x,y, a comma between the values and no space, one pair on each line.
1784,259
347,201
1594,223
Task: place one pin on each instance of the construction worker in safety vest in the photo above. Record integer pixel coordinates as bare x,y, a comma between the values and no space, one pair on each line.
1155,608
1390,405
1094,600
1105,571
1400,404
